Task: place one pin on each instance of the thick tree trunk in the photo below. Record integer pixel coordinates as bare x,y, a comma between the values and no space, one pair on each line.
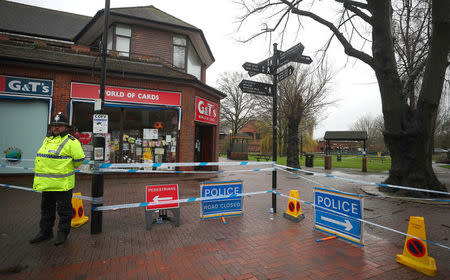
292,146
409,133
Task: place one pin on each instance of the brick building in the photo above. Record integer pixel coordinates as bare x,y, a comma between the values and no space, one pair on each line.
159,107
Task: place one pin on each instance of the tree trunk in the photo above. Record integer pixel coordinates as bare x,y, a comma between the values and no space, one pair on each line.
292,145
409,132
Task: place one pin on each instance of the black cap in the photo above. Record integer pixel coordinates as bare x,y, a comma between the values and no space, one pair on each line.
59,119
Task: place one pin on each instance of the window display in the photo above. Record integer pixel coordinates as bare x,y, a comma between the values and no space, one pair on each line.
137,135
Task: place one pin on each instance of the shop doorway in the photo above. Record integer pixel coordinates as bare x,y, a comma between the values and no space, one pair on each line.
204,143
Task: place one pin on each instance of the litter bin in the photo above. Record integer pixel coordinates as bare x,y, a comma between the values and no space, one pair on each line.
309,161
339,158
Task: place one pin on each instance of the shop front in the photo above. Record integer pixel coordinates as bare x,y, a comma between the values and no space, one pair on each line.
144,124
25,106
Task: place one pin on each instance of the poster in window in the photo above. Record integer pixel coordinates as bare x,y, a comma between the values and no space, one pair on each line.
168,138
150,133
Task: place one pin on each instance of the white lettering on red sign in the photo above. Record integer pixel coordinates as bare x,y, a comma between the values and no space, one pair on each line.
206,111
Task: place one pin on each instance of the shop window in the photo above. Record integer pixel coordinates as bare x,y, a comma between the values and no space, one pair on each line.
119,38
179,52
136,135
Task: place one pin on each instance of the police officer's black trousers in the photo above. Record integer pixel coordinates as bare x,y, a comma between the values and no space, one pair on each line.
52,201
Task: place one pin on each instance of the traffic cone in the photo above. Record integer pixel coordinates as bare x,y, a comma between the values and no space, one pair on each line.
415,252
78,218
294,210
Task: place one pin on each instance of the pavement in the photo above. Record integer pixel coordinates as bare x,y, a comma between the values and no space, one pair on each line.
257,245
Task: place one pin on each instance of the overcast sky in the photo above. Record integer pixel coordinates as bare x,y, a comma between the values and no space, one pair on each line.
354,85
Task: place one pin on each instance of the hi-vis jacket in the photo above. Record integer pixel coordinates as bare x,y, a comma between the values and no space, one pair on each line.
55,163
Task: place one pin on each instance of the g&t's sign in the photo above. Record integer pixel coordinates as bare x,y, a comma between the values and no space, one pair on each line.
206,111
25,86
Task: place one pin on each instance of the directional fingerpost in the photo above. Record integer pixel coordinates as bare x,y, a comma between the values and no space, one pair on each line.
290,54
285,73
256,68
256,88
338,213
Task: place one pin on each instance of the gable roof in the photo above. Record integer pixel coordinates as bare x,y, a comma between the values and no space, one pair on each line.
35,21
346,135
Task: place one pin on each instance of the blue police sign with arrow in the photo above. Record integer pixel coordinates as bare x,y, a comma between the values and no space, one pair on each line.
337,213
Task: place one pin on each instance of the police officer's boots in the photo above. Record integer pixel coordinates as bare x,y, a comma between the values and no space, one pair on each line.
60,238
41,236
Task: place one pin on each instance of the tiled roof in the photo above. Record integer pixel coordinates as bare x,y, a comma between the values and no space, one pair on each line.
36,21
346,135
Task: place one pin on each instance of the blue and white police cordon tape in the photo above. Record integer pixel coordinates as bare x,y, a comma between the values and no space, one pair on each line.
360,220
360,181
106,170
96,200
161,203
178,164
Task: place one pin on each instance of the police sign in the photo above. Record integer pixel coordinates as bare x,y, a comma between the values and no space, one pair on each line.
227,205
26,86
337,213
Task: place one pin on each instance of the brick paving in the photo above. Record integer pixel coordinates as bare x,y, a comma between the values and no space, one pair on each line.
257,245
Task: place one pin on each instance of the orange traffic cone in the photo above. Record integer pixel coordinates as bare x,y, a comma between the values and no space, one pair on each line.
415,252
294,210
78,218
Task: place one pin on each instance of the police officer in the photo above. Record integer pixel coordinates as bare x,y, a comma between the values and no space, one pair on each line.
54,176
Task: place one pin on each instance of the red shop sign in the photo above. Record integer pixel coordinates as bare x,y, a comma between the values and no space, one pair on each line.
121,94
206,111
162,196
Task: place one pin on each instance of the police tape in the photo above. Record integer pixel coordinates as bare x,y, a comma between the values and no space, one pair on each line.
96,200
360,220
29,159
32,168
369,195
178,164
184,200
106,170
360,181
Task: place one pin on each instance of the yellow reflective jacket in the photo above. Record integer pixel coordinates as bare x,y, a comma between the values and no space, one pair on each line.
55,163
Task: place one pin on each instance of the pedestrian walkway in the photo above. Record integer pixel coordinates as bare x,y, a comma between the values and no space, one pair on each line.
257,245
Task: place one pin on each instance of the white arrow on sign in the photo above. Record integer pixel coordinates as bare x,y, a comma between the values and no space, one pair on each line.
348,226
156,199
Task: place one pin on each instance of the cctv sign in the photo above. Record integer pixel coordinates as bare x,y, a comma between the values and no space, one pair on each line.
206,111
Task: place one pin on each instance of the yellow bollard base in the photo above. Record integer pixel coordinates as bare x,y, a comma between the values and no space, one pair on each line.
293,218
79,222
427,269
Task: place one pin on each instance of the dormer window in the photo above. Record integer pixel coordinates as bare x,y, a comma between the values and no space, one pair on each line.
179,52
119,38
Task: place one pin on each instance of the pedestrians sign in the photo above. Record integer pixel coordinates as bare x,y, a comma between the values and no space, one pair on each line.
162,194
256,87
337,213
228,206
285,73
256,68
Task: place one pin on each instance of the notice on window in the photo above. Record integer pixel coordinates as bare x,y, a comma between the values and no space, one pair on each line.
150,133
168,138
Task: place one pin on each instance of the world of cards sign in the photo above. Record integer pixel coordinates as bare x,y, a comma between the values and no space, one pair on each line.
224,200
339,213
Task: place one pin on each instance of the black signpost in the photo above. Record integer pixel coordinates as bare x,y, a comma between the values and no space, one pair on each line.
271,66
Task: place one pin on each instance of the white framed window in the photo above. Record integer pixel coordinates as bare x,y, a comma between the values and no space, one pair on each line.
194,64
119,39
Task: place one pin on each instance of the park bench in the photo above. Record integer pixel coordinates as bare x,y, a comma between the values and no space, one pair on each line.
376,159
265,157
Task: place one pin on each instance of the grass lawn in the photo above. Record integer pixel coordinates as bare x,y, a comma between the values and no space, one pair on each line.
348,161
445,166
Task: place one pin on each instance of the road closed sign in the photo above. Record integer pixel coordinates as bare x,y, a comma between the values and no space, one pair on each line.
162,196
338,213
224,200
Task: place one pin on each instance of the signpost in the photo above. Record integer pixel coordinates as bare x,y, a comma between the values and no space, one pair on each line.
214,208
270,66
256,88
337,213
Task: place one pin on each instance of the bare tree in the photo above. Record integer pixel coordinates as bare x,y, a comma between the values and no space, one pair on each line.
374,127
302,97
409,130
238,108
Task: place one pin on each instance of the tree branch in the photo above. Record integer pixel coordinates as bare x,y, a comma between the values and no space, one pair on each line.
357,11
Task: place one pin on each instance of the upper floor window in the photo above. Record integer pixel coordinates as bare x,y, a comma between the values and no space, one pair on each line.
119,38
179,52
